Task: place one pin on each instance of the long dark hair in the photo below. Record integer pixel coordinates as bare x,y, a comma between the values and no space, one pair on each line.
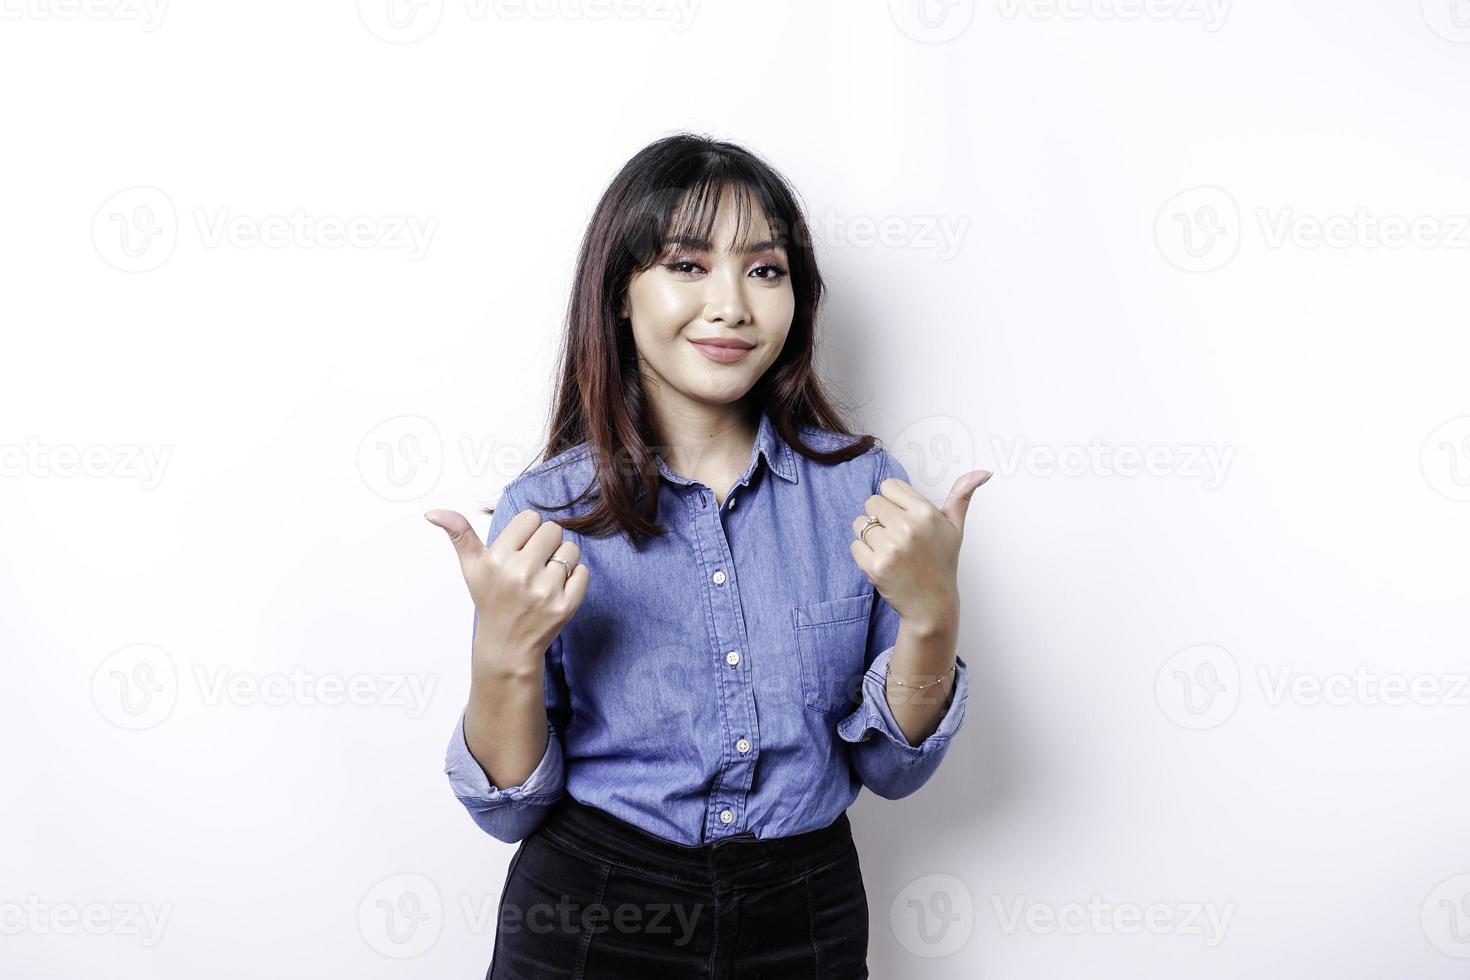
672,188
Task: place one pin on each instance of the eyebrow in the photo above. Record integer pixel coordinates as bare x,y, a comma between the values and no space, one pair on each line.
703,245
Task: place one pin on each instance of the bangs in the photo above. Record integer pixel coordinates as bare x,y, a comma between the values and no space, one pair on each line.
685,216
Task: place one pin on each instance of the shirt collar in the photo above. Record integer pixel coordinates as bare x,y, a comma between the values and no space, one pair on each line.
768,442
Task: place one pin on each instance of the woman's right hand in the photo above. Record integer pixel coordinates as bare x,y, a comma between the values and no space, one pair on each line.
522,598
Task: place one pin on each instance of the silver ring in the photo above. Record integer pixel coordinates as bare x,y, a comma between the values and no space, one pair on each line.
872,523
565,564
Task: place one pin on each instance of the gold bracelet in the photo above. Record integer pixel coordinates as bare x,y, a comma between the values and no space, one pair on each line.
920,687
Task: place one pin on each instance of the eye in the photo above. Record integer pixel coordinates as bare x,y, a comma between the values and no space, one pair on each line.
682,266
776,272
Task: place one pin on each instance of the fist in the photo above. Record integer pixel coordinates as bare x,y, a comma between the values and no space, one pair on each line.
522,598
912,557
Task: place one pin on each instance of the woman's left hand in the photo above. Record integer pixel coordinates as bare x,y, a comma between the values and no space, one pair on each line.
913,557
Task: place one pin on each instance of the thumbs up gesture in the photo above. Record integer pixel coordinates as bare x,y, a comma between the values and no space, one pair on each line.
522,598
912,555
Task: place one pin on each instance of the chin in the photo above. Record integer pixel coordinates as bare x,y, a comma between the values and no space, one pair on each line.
727,395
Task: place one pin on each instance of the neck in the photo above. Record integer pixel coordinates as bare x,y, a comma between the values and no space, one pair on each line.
699,439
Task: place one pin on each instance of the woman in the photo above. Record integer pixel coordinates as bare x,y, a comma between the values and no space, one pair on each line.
686,665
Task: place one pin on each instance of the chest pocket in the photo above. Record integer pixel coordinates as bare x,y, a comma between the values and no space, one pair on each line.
832,642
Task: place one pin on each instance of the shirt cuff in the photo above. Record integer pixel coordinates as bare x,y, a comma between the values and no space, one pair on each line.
474,788
874,714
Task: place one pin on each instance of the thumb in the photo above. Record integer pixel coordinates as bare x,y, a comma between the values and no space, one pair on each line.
465,540
957,504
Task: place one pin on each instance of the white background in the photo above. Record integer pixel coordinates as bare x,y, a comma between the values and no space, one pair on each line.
1105,229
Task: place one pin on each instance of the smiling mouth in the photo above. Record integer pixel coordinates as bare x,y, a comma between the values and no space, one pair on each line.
723,352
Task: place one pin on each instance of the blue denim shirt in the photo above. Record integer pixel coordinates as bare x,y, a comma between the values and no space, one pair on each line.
730,678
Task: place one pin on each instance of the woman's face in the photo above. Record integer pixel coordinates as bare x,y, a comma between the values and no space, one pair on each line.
703,291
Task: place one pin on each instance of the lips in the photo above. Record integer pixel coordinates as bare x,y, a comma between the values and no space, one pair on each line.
724,350
728,344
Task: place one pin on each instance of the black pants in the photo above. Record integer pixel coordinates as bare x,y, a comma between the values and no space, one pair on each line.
589,896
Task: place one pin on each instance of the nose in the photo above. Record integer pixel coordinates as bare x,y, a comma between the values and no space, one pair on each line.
726,300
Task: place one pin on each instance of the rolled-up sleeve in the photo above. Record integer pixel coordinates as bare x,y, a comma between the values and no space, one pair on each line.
884,759
510,813
513,812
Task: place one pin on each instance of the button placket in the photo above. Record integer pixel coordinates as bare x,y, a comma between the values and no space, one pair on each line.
737,700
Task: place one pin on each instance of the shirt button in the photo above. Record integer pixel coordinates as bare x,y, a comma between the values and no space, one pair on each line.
732,658
719,577
743,745
726,816
730,503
